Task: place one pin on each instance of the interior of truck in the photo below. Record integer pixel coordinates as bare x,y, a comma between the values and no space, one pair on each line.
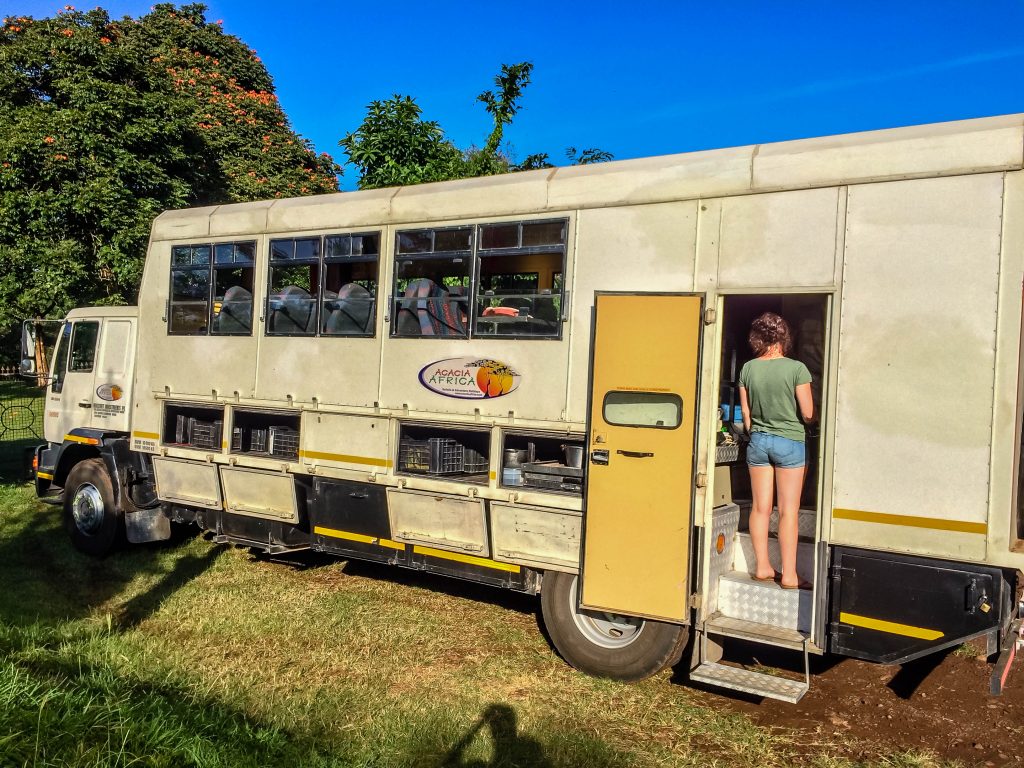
806,316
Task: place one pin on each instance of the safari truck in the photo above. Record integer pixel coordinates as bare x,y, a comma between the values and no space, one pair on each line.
530,381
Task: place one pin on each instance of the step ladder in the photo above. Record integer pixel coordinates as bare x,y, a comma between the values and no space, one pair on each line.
761,612
749,681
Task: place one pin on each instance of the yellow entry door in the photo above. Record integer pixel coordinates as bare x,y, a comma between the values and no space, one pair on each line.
639,503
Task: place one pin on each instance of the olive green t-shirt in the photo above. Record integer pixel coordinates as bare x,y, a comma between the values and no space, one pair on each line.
771,386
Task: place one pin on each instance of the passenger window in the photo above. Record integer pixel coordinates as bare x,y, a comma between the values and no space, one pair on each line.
432,282
83,347
349,302
660,410
234,265
211,289
519,289
292,295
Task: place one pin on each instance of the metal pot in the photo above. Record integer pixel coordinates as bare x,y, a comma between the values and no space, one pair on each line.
573,456
514,457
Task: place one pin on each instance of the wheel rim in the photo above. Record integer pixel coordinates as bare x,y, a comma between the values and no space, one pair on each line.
87,508
608,630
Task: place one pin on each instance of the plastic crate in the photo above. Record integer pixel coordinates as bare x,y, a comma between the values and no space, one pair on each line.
236,439
413,455
205,434
258,440
182,429
284,442
474,461
447,456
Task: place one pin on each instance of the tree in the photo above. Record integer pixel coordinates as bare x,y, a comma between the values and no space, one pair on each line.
395,146
104,124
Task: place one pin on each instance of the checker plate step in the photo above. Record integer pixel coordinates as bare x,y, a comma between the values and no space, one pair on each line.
756,683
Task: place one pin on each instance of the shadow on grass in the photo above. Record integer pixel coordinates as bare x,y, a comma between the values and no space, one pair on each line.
46,581
61,710
510,747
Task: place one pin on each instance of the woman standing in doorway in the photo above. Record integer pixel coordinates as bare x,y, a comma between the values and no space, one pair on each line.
775,393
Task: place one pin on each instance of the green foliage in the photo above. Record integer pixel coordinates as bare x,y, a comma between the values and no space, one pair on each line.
105,123
395,146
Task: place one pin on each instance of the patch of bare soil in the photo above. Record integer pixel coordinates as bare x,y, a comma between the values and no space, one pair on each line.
939,705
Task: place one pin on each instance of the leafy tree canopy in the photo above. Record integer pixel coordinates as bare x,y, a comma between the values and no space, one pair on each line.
394,145
105,123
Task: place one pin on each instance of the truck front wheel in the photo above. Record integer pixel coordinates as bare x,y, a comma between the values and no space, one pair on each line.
91,516
604,644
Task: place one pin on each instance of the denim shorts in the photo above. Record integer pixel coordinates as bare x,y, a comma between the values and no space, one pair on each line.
767,450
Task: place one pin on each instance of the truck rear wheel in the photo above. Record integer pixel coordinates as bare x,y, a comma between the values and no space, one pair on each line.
91,516
604,644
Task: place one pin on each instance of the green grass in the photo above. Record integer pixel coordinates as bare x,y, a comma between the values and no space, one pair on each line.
188,654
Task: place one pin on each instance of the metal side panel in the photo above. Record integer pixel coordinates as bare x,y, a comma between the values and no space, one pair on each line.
187,482
546,538
254,492
448,522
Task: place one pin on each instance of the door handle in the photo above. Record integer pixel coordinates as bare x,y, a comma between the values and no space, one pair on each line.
637,454
85,405
599,456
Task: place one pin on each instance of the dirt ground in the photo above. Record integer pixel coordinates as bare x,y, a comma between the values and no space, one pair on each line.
939,704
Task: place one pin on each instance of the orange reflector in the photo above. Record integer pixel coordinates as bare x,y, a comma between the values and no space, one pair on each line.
35,463
720,543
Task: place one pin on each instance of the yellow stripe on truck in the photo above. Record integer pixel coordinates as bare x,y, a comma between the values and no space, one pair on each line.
912,521
345,458
891,627
470,559
360,537
83,440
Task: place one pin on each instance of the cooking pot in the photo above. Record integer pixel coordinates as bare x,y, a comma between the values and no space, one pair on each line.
573,456
514,457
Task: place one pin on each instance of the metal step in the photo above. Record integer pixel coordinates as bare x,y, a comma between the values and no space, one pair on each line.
764,602
756,683
745,562
767,634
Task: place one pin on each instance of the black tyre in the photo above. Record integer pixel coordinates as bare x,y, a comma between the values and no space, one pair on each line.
92,519
603,644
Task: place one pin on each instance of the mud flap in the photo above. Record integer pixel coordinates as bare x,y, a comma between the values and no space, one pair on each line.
145,525
1012,643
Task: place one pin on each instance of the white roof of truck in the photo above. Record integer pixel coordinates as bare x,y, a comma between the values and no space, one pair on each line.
942,149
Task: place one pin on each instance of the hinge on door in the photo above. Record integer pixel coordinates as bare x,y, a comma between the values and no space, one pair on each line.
710,316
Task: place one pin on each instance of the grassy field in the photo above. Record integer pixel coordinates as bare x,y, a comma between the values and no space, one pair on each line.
188,654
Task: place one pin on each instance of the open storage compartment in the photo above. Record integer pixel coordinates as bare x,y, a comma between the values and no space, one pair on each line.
193,426
444,452
265,433
543,462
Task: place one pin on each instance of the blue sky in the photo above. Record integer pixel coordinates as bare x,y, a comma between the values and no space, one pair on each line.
639,79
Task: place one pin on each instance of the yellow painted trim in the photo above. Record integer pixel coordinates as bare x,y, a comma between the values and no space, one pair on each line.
493,475
959,526
889,626
481,561
44,475
345,458
360,537
82,440
147,435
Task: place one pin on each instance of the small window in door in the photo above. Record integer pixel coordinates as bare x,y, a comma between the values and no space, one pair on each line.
657,410
83,347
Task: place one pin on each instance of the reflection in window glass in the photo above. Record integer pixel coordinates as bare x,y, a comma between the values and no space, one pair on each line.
83,347
190,301
60,358
349,299
662,410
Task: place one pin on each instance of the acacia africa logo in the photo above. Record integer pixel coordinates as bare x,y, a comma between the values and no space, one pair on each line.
469,378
